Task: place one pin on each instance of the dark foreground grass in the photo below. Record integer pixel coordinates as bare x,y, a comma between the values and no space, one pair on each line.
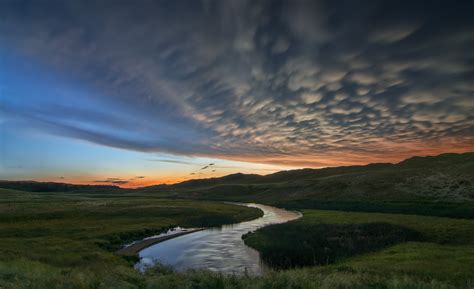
441,248
27,274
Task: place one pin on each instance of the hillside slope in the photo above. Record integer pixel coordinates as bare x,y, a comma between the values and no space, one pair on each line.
446,177
440,185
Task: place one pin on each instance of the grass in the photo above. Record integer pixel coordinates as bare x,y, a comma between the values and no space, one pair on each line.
453,263
442,250
322,244
410,206
67,239
22,274
435,229
60,233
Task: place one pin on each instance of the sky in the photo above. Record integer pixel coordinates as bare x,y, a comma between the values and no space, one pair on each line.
136,93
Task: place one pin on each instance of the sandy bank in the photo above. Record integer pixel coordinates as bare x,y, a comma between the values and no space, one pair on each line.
140,245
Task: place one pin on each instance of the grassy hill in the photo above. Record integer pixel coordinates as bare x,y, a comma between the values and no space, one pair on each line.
440,185
446,177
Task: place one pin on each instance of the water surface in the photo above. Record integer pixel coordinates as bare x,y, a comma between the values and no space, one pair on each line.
217,249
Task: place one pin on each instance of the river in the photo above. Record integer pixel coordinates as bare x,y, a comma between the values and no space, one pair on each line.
217,249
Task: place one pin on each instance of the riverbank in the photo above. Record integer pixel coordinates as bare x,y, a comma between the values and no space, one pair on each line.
145,243
220,249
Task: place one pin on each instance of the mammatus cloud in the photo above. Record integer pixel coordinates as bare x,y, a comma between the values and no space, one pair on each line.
290,82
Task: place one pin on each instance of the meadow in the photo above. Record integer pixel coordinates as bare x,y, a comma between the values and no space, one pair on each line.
406,225
421,247
67,240
47,237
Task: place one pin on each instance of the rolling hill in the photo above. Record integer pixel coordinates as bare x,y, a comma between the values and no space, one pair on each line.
446,177
433,185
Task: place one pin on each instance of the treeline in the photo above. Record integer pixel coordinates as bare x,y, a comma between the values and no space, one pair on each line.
32,186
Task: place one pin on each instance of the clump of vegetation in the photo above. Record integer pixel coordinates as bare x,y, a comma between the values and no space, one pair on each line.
113,242
436,248
294,245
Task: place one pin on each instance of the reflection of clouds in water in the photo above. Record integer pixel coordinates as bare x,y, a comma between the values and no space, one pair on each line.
217,249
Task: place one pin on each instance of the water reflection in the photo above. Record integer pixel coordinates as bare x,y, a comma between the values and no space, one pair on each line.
217,249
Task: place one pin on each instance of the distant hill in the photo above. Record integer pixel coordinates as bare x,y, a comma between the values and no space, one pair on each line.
446,177
33,186
403,187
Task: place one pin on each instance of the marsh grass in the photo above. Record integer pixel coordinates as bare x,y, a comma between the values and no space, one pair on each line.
323,244
428,248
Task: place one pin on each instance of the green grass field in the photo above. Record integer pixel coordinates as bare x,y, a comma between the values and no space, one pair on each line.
48,237
443,251
387,226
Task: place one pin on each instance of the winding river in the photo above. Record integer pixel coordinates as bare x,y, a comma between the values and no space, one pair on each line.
217,249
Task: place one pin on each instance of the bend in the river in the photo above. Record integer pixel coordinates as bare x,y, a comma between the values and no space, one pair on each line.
217,249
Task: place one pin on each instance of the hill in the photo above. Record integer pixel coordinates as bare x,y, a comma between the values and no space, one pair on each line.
446,177
434,185
440,185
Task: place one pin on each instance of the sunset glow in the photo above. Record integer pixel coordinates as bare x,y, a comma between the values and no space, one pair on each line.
96,94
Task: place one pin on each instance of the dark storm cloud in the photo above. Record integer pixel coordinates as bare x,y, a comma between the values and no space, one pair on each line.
257,80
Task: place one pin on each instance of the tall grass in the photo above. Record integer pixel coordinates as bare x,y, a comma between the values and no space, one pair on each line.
27,275
425,247
299,244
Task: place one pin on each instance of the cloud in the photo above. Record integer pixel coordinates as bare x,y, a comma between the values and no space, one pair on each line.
207,166
290,82
114,181
281,45
394,33
173,162
137,178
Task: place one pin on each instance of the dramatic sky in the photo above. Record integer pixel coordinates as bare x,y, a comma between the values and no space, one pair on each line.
141,92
